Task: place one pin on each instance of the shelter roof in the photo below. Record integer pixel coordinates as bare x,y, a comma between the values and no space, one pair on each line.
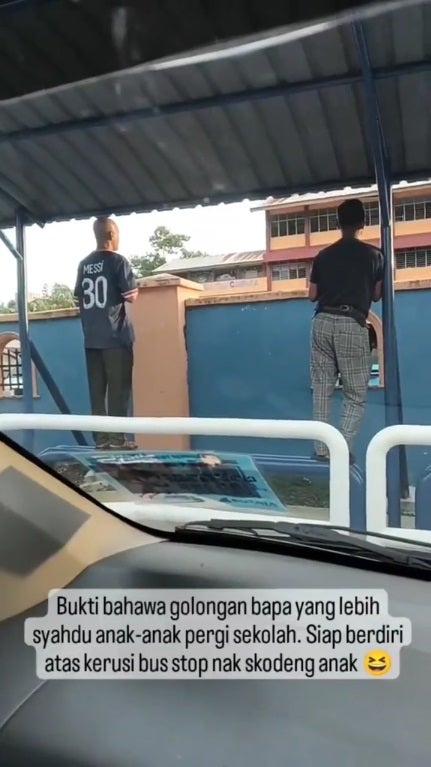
280,115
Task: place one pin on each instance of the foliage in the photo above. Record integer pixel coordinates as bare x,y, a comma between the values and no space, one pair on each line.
164,246
59,297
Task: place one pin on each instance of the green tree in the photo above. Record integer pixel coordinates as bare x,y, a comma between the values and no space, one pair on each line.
39,305
8,308
164,246
59,297
192,253
143,266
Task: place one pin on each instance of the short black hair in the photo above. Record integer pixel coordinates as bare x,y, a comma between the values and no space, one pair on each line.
351,214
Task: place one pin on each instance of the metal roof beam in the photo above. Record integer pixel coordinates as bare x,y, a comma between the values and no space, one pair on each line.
13,6
221,100
377,138
11,248
9,195
217,199
23,324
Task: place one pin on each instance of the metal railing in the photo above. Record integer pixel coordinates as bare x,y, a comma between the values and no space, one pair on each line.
339,479
376,476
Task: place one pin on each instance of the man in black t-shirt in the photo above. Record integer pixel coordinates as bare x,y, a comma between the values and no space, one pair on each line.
345,279
104,284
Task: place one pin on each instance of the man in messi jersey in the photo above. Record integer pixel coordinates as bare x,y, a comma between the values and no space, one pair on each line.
104,285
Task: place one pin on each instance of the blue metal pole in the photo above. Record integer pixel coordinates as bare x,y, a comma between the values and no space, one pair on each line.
392,395
397,459
393,406
54,390
27,373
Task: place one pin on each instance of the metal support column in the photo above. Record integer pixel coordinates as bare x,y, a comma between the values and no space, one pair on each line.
27,373
397,464
393,409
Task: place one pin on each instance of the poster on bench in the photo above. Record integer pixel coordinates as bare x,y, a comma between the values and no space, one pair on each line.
226,479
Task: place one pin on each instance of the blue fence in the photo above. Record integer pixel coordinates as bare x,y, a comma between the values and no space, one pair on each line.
59,342
248,360
251,360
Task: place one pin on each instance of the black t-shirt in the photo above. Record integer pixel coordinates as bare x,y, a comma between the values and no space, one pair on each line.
104,282
346,274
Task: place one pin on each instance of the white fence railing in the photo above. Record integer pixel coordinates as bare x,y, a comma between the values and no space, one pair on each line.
339,484
339,480
376,476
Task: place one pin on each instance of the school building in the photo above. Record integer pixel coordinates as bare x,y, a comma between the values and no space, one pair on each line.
298,227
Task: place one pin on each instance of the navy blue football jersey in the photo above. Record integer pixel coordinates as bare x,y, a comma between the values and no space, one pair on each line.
104,282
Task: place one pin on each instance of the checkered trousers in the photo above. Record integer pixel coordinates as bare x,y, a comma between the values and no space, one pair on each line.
339,345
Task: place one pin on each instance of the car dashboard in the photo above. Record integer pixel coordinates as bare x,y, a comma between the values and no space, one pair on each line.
218,723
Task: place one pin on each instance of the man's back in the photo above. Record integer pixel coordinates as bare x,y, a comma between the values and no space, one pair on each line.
346,274
103,283
345,279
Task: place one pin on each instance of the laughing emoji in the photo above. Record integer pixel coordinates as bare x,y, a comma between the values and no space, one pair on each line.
378,662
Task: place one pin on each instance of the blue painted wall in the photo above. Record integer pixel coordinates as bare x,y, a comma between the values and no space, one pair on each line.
60,344
251,360
247,360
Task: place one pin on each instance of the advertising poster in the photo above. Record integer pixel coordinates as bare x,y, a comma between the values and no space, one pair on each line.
226,479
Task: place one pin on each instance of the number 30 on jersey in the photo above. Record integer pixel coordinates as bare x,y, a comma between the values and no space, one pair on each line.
95,292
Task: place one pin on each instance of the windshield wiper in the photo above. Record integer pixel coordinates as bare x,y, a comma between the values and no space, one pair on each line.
323,537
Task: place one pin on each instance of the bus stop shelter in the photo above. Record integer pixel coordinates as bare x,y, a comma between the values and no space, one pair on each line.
270,109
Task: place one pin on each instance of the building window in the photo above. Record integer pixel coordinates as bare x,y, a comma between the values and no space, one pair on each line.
415,258
412,210
285,225
377,379
11,369
324,220
289,272
250,274
372,213
11,376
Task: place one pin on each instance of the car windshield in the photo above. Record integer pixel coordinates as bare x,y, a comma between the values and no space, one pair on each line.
215,265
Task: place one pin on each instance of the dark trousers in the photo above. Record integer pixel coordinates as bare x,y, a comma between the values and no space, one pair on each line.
109,373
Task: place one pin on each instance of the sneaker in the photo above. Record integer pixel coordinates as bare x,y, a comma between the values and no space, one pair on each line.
123,446
102,446
320,457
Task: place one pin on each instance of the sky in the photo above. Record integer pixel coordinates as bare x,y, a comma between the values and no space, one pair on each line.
53,253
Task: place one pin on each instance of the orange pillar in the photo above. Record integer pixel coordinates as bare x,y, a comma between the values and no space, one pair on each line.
160,385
